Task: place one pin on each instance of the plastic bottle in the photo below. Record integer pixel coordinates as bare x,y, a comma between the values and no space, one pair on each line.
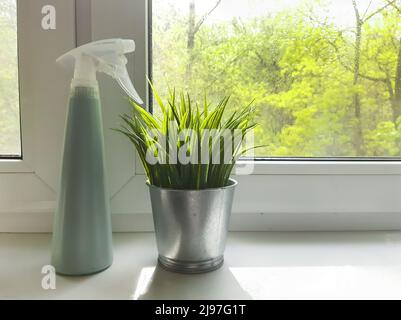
82,233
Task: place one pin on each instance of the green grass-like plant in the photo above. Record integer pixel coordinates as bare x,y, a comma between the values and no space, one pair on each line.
179,114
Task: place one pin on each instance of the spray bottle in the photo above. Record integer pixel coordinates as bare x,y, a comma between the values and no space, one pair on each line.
82,234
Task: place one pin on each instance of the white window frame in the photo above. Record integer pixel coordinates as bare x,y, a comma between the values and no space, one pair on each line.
27,186
280,195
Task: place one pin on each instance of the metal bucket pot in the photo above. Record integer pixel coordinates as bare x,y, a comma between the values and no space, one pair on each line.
191,227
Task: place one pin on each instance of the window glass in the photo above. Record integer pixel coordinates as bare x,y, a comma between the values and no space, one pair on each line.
10,137
325,74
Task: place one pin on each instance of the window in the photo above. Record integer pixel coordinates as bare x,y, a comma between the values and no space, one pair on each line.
325,75
10,136
280,195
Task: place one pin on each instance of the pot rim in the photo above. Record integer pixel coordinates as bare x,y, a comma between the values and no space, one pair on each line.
232,185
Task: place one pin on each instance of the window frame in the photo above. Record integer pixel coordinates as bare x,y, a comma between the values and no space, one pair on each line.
27,185
281,195
346,169
295,165
23,163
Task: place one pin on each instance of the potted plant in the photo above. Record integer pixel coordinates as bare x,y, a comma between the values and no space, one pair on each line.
188,155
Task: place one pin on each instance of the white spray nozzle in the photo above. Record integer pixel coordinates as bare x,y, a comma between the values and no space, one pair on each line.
107,56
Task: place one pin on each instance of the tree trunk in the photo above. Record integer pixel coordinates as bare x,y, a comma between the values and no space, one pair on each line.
191,25
358,133
191,39
396,102
193,28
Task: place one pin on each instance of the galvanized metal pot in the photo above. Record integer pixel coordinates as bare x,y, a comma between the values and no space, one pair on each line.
191,227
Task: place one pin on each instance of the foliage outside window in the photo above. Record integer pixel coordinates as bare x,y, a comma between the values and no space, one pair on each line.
325,74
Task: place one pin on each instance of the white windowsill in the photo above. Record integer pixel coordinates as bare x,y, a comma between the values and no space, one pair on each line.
258,266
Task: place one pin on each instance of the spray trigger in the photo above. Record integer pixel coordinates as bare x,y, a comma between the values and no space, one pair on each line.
107,56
